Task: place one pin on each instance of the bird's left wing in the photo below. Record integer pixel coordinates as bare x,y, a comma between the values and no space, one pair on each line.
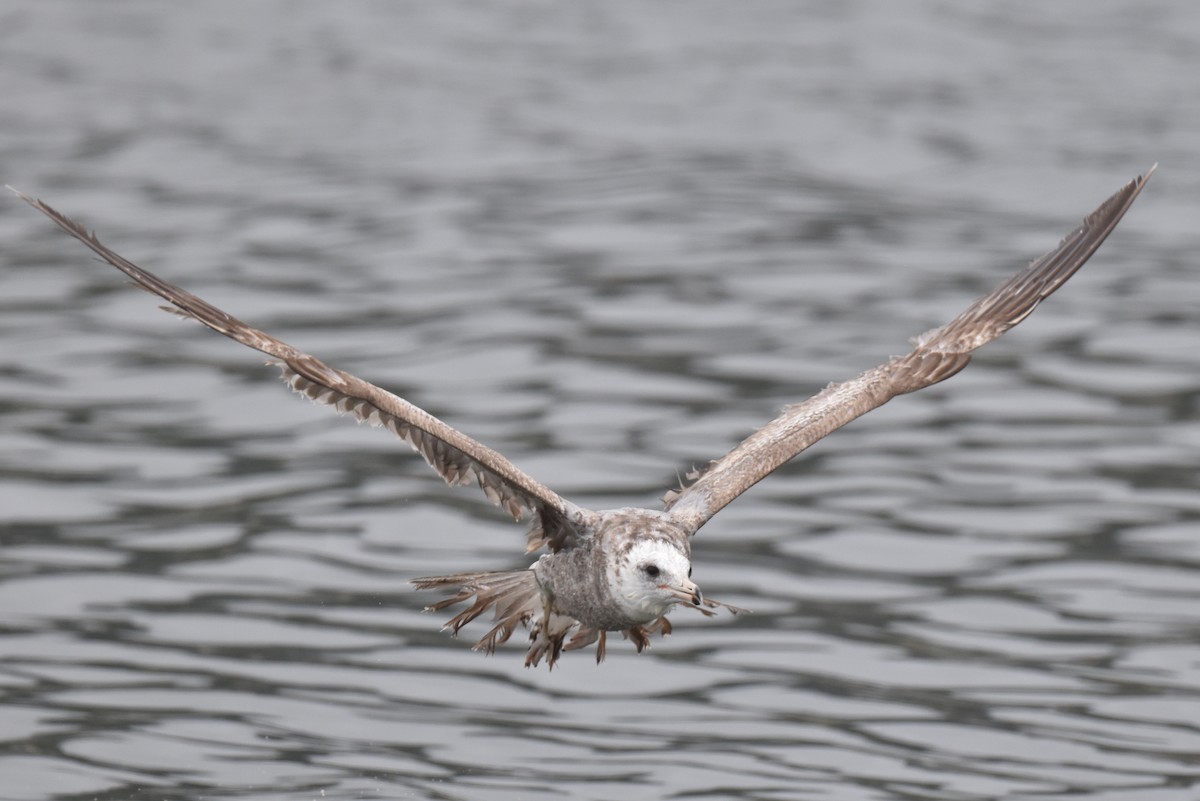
938,354
458,458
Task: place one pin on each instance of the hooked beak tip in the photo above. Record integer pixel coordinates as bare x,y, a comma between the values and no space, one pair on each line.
688,593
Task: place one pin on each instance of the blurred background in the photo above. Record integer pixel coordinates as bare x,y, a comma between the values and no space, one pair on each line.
609,240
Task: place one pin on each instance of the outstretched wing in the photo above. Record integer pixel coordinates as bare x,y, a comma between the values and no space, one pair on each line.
455,456
938,354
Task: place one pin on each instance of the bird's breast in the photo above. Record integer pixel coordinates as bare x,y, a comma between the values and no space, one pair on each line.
578,585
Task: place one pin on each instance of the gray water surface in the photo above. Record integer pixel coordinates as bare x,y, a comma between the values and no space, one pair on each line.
608,240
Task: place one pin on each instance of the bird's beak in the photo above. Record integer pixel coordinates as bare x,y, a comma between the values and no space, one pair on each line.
686,591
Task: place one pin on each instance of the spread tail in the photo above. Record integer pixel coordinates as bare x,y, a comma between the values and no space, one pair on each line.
517,601
513,593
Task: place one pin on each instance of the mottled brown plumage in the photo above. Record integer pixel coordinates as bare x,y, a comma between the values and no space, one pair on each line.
625,569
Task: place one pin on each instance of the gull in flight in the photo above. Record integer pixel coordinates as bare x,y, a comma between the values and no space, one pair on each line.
625,569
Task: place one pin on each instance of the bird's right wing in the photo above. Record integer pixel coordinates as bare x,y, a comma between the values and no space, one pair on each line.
937,355
456,457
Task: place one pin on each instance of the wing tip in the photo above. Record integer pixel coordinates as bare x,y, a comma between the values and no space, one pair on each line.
37,203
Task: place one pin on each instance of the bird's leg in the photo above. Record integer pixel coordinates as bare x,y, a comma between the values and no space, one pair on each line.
637,635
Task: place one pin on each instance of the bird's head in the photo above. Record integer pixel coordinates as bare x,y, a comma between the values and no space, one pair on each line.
652,576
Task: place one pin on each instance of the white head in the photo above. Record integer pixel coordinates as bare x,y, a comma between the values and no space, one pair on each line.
651,577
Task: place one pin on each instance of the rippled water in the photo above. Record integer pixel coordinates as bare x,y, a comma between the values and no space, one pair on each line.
609,240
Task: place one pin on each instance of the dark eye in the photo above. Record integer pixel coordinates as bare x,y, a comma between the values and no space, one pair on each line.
689,571
651,570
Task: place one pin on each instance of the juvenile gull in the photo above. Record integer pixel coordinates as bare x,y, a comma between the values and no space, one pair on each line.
625,569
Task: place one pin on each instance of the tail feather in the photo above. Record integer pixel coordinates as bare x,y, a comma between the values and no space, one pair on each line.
513,593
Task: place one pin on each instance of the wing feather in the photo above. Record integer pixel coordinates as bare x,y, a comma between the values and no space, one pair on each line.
936,356
455,456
